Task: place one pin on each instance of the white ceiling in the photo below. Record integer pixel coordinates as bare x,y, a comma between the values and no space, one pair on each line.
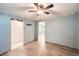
21,9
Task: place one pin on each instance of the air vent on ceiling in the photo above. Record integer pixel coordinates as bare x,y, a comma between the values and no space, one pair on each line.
29,24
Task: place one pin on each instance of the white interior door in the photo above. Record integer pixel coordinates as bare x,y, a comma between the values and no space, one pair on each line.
29,31
17,37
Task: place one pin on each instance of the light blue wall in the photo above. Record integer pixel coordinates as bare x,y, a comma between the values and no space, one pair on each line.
62,31
78,31
5,30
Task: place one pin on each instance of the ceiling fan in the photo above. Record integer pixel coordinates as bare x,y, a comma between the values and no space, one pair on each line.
40,8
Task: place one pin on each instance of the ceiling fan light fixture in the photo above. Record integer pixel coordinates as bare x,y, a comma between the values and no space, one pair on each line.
41,8
40,12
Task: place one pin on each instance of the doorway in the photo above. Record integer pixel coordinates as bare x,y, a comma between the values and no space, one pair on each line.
41,34
17,37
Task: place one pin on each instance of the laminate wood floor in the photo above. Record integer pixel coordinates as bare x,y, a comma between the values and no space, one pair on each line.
32,49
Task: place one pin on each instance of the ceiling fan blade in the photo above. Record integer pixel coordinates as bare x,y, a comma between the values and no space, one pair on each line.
36,4
41,6
32,11
46,12
49,6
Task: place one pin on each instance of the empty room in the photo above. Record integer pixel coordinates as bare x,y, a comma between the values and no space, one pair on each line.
39,29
